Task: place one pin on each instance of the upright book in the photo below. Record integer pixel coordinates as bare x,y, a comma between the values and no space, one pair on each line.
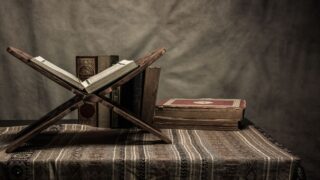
130,98
139,97
150,90
222,114
94,114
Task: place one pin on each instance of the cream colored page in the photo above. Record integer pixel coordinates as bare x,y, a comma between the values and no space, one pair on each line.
63,74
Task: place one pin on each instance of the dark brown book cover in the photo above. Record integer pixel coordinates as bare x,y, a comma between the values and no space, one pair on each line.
115,118
205,108
86,66
93,114
150,90
131,99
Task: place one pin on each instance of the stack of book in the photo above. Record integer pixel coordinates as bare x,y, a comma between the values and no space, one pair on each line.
217,114
139,97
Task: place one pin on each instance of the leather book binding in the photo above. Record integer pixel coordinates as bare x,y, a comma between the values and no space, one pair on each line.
220,114
150,90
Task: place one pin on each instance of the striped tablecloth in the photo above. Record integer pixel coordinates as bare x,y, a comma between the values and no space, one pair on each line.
84,152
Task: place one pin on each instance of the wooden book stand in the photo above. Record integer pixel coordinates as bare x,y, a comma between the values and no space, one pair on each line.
80,97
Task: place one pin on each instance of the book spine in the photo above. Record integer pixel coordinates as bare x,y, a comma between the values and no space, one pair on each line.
86,66
114,96
131,99
137,94
115,118
150,89
94,114
104,113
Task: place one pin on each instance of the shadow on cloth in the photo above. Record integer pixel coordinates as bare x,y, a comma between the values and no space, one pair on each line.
49,140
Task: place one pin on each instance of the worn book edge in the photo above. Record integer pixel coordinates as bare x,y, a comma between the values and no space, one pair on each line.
201,103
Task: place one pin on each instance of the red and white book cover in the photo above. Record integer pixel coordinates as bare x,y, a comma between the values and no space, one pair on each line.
203,103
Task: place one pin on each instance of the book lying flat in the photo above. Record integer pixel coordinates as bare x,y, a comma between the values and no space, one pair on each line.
94,82
202,108
193,113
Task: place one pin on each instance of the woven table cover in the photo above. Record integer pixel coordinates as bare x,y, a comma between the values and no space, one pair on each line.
73,151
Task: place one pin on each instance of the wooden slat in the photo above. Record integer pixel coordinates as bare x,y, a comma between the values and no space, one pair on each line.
143,63
49,115
25,58
47,120
150,89
129,117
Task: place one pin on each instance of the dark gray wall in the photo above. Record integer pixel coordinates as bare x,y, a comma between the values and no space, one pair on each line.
265,51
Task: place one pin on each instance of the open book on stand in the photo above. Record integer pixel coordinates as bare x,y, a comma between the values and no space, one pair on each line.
92,90
93,83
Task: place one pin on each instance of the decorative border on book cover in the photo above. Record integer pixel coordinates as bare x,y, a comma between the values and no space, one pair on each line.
203,103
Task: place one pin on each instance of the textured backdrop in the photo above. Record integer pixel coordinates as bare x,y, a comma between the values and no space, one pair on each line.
265,51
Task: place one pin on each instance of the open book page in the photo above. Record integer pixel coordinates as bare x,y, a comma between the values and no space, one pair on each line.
109,75
61,73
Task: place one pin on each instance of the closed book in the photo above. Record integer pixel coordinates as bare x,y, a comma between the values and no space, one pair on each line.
150,89
193,113
115,118
94,114
138,96
131,99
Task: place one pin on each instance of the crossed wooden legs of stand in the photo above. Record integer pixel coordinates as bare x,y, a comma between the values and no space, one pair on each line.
81,97
74,103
